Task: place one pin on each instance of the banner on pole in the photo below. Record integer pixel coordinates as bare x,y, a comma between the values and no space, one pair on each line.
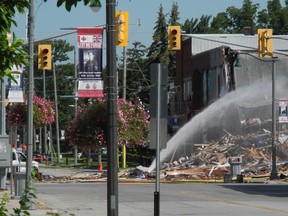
90,44
15,94
283,114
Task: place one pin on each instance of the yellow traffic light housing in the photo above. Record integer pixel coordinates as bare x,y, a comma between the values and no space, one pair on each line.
121,28
265,43
174,38
44,57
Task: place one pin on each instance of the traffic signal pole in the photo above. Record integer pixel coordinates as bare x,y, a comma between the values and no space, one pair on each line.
30,99
112,139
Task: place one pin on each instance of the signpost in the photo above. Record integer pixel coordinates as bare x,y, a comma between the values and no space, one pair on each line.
158,121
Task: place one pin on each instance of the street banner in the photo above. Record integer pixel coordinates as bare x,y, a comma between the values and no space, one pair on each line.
283,115
15,94
90,45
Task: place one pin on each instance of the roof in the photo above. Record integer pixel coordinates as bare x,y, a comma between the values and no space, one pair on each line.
204,42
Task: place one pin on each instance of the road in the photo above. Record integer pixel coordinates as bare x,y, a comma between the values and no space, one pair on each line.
203,199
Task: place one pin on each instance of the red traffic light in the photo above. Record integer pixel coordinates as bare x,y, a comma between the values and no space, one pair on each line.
45,52
174,32
44,57
174,37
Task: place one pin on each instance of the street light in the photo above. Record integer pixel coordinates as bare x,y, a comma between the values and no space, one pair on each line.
111,92
30,131
274,174
95,5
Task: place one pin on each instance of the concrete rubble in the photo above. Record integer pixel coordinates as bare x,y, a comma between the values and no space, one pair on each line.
239,157
232,156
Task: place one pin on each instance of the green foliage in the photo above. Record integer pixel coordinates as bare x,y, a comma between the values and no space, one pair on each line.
34,173
26,201
88,130
137,75
157,52
13,53
64,68
3,205
70,3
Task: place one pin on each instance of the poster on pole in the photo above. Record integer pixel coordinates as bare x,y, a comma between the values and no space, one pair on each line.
283,115
15,94
90,45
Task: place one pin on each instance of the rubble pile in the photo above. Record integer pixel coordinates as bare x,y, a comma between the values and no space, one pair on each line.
78,177
231,156
217,159
214,159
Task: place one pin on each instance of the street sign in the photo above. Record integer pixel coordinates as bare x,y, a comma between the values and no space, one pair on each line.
5,151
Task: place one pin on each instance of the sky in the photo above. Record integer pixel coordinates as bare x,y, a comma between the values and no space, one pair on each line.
51,20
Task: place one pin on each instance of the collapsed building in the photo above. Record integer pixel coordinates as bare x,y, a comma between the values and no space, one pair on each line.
222,85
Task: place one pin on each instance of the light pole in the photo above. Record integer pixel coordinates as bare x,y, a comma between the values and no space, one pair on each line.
112,178
274,174
56,114
28,181
75,103
111,93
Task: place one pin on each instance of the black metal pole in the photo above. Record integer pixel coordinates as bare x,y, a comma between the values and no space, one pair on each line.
112,145
156,203
30,95
274,174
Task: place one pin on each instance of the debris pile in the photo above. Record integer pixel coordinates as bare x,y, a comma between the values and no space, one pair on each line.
231,156
77,177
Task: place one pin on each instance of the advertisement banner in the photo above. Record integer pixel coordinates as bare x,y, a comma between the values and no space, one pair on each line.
15,94
283,115
90,45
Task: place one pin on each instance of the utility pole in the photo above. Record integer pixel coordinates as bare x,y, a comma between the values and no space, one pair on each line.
5,151
30,98
112,144
56,115
124,97
75,102
45,126
274,174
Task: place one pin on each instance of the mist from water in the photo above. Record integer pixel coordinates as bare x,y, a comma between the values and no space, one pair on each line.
224,114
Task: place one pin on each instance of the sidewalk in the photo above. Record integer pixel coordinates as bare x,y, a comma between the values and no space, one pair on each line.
39,209
13,203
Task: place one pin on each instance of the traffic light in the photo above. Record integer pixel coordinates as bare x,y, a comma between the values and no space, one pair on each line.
44,57
174,37
265,43
121,28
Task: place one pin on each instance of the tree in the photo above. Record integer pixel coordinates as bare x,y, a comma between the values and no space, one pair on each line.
173,21
65,82
13,53
137,77
220,23
203,25
157,52
248,14
275,17
190,26
234,20
88,130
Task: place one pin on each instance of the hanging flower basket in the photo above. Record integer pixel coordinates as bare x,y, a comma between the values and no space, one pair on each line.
43,113
89,128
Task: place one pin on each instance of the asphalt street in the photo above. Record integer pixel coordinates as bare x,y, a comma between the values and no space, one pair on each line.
137,198
175,199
